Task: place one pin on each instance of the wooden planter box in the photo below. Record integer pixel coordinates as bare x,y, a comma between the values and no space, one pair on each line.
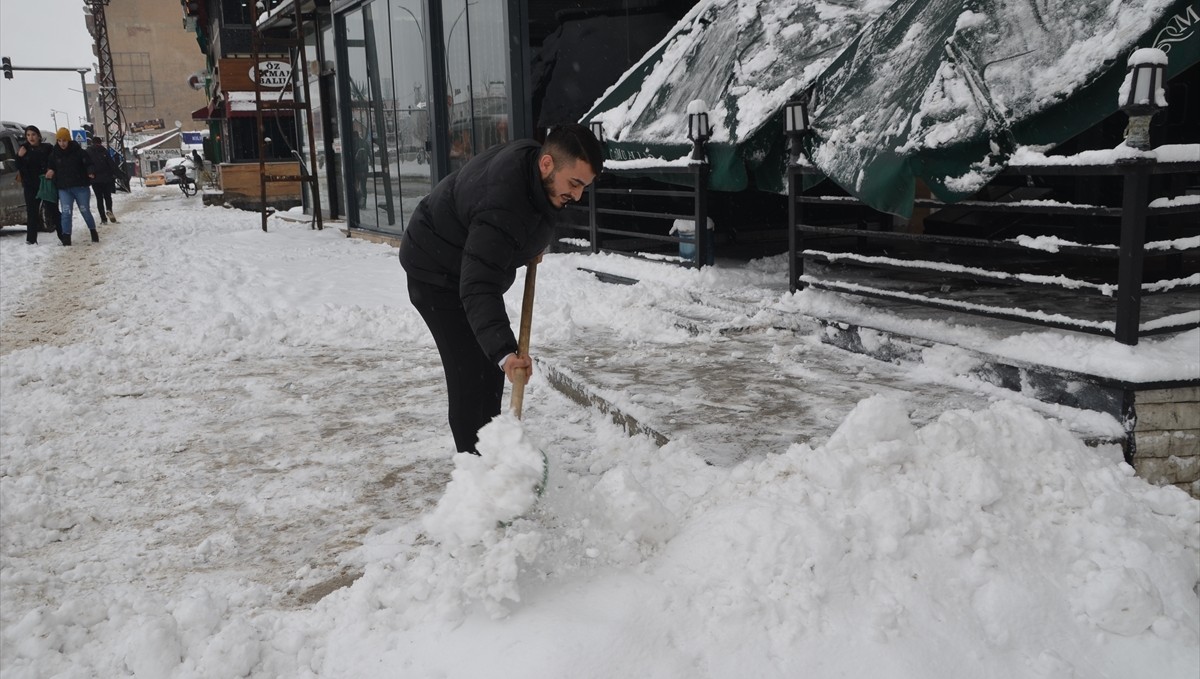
241,183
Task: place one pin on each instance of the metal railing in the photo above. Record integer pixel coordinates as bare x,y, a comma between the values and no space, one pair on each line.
608,205
1075,274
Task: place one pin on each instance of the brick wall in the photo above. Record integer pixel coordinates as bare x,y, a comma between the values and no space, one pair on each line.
1167,437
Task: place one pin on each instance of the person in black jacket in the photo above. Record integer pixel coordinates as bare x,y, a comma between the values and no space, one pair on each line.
71,170
462,249
105,182
32,158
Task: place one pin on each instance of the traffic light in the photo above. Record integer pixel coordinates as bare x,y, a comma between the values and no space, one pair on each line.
89,130
7,68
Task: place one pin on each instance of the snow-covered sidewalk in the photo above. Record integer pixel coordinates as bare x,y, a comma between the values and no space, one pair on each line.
221,459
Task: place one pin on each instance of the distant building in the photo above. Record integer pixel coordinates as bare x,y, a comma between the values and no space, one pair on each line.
151,68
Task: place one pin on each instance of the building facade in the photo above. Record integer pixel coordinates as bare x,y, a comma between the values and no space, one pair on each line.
152,73
389,96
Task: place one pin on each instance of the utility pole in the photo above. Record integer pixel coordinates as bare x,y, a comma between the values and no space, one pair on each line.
106,83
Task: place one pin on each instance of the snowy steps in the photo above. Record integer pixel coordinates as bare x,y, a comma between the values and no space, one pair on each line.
756,385
741,392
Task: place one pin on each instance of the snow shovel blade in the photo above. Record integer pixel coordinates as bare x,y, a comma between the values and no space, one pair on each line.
520,377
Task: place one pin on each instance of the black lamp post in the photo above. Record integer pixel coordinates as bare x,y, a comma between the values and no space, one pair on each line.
796,125
699,129
1141,94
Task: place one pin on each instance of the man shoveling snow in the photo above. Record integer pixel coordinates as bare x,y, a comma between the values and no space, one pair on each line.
461,252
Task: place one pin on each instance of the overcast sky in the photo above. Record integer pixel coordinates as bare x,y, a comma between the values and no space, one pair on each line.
43,33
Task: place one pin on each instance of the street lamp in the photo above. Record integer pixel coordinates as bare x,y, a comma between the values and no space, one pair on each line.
796,124
415,20
699,129
1141,94
449,37
87,105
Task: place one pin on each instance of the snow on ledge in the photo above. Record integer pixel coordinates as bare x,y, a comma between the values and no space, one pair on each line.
646,163
1176,201
1171,153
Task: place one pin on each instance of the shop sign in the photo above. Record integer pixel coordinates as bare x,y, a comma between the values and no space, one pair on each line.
147,125
271,73
159,154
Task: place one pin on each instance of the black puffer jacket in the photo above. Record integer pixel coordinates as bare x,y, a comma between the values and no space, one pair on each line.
32,165
475,229
103,166
71,166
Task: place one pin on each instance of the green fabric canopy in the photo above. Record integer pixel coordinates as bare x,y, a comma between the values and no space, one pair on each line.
937,90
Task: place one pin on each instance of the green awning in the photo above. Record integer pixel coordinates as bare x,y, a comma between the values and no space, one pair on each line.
745,60
937,90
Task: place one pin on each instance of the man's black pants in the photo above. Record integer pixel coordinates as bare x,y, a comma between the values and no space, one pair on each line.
474,383
103,199
33,214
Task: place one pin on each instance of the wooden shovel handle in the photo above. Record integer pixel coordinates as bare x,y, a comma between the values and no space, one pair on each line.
519,376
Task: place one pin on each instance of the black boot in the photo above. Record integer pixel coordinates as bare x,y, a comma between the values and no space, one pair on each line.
95,236
66,238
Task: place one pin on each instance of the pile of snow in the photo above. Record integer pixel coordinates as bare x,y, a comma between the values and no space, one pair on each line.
490,489
985,544
226,466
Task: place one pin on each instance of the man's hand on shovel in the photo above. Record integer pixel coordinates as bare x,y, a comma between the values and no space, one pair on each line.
517,368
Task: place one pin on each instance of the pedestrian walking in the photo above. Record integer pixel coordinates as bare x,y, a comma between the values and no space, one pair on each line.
71,169
463,247
33,156
105,181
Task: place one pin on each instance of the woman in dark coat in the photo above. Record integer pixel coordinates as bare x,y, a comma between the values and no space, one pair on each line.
105,181
71,170
32,158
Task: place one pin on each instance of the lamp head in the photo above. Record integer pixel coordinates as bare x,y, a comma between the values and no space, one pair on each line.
1142,91
699,128
795,118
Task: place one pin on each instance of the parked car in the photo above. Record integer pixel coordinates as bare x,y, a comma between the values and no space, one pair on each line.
12,196
166,174
169,167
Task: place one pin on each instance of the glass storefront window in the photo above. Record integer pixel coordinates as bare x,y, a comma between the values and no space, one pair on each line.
477,76
359,143
408,111
243,142
389,123
388,100
329,102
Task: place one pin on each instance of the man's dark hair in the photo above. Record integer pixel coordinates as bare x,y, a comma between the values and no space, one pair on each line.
574,142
